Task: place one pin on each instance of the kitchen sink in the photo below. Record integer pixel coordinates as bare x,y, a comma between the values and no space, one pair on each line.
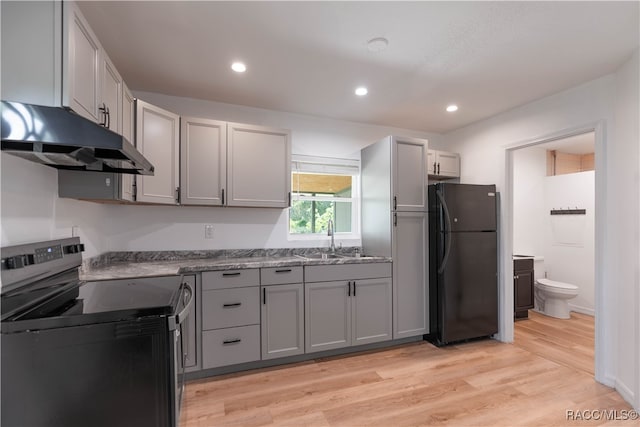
321,256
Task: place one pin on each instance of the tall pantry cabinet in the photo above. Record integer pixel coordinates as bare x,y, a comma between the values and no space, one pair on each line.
394,224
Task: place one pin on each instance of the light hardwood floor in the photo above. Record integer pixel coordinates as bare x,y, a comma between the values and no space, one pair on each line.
533,382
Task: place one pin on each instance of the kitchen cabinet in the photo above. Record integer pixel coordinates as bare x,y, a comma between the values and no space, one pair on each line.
394,224
258,166
352,311
282,312
82,58
203,163
65,66
409,170
112,92
443,164
410,274
523,286
232,164
157,138
230,317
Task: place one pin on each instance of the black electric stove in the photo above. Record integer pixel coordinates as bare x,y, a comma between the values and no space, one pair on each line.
78,350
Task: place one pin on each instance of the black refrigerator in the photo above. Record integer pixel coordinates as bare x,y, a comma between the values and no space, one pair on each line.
463,262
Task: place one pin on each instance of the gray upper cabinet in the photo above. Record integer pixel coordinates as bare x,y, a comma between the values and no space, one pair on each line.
409,174
443,164
157,138
203,164
282,320
82,60
410,297
259,166
112,95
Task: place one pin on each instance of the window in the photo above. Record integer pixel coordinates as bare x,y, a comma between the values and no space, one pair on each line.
324,189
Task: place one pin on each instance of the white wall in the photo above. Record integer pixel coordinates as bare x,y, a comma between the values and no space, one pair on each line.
613,101
32,211
569,251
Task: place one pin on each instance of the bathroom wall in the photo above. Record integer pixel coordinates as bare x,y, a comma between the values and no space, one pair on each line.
569,250
566,242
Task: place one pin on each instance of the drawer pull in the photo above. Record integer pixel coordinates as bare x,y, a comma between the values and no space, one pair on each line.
285,270
237,273
232,305
235,341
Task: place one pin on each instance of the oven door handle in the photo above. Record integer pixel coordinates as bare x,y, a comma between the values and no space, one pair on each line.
175,321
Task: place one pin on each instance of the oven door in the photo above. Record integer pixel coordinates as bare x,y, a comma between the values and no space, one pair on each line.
178,328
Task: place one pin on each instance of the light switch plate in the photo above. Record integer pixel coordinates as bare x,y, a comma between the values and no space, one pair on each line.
208,231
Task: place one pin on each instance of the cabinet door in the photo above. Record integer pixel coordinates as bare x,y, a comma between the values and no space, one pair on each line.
523,290
81,66
112,87
157,133
128,109
282,320
448,164
259,163
203,161
409,159
410,264
327,316
371,306
189,331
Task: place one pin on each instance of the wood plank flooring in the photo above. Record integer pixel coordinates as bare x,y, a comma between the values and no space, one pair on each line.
533,382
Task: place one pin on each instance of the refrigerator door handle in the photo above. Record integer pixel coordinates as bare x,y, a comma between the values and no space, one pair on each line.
447,232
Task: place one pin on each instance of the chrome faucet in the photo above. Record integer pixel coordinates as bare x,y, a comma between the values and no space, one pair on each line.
331,232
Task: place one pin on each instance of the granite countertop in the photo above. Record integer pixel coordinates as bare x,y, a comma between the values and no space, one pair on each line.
122,265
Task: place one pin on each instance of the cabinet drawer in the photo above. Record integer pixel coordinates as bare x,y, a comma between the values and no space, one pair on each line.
230,279
230,307
523,264
230,346
328,273
281,275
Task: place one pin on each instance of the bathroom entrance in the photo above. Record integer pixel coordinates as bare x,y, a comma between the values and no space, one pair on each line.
553,194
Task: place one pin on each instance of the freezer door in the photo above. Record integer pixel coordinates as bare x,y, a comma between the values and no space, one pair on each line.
470,207
468,287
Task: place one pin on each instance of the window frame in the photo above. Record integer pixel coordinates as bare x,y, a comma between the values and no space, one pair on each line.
329,166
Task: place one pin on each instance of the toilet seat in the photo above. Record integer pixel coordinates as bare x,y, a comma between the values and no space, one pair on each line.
558,287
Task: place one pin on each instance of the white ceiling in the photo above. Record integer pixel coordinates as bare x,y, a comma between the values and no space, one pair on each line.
308,57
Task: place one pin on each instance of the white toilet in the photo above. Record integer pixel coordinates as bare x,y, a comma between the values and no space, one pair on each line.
552,297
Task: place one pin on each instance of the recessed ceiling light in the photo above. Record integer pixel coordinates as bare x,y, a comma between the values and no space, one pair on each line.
377,44
239,67
361,91
451,108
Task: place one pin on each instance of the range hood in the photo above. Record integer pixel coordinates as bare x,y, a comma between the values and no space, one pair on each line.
62,139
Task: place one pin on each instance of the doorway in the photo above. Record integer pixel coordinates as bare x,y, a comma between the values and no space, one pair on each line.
563,240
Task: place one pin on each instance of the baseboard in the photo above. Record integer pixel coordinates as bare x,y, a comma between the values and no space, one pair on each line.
583,310
609,381
626,393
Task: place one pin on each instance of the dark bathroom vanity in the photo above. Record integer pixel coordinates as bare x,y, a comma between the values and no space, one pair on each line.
523,279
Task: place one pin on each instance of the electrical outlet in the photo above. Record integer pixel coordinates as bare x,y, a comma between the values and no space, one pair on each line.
208,231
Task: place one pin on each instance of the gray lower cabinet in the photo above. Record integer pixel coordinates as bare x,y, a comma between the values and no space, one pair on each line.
282,320
342,313
327,315
230,317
